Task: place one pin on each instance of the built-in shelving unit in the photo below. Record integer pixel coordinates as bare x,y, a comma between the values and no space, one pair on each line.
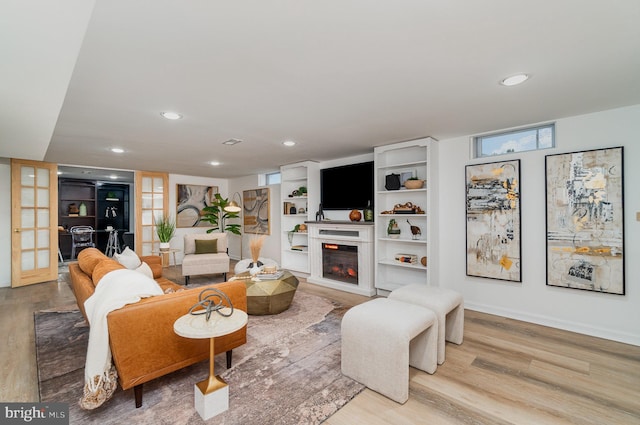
297,206
106,204
412,158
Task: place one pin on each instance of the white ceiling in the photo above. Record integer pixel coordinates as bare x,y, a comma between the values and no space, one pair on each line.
338,77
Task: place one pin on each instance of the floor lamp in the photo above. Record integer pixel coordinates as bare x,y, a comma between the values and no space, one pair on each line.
236,207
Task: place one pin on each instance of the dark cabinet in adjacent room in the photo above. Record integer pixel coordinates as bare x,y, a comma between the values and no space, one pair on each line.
112,209
97,204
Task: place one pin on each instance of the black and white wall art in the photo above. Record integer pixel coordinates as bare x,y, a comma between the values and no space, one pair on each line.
585,220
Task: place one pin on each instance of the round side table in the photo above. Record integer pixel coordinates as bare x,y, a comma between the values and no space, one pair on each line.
212,394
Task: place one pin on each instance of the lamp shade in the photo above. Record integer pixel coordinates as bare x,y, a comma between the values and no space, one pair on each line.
232,207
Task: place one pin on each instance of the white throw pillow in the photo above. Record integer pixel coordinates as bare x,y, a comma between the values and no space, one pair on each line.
145,270
128,258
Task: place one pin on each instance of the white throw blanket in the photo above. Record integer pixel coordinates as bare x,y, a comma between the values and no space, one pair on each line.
115,290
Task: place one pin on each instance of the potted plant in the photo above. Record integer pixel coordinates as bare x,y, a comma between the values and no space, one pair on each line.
217,216
165,228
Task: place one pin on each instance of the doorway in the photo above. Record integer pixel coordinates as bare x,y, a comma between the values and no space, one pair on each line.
96,197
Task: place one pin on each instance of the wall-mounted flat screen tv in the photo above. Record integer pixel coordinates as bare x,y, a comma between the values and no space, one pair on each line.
347,187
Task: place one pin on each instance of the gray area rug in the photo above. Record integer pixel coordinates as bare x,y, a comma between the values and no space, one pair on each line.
287,373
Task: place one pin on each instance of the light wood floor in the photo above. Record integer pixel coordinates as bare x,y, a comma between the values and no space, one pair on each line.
505,372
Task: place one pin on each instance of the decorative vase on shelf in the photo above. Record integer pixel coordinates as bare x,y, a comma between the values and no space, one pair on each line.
355,215
393,231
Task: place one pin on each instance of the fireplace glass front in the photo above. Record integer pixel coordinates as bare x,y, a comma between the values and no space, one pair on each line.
340,262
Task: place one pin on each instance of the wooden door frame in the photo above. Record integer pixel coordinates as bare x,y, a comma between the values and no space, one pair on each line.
18,278
139,175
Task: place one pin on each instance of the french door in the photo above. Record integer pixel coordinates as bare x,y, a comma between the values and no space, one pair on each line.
152,201
34,222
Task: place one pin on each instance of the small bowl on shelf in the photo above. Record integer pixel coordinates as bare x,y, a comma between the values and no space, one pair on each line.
414,184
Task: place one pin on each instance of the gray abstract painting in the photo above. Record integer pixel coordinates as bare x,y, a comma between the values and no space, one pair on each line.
585,220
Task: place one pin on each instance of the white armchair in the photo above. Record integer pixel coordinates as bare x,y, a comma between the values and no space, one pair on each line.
205,253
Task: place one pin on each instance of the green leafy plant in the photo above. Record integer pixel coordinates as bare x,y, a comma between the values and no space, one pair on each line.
165,228
217,216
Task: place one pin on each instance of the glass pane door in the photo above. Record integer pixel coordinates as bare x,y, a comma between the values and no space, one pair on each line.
34,216
153,199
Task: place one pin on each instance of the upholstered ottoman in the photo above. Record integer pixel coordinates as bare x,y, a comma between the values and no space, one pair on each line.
446,303
381,338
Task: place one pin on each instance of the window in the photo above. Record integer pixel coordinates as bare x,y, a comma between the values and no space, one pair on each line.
272,178
526,139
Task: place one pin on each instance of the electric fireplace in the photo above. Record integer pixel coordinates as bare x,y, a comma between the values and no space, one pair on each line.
340,262
341,256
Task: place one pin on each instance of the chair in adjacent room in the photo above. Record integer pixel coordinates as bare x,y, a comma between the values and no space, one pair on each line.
81,237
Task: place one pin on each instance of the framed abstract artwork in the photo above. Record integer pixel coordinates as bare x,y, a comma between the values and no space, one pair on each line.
585,220
191,199
493,220
255,204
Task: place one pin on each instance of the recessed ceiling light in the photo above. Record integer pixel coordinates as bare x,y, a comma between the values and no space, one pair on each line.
514,80
117,150
171,115
113,177
289,143
215,163
231,142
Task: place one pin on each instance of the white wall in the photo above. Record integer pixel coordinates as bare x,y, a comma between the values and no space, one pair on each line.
271,245
5,222
605,315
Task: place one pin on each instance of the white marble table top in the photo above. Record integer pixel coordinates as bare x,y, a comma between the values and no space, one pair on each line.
197,326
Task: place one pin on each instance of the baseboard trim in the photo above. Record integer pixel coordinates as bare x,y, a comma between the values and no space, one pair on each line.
595,331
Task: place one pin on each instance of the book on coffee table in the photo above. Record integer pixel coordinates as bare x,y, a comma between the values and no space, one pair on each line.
270,276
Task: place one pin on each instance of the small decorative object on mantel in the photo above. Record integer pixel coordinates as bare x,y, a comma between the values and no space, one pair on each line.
393,231
355,215
211,302
368,212
319,213
413,183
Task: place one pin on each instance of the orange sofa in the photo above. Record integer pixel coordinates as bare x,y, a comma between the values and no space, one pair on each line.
143,343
